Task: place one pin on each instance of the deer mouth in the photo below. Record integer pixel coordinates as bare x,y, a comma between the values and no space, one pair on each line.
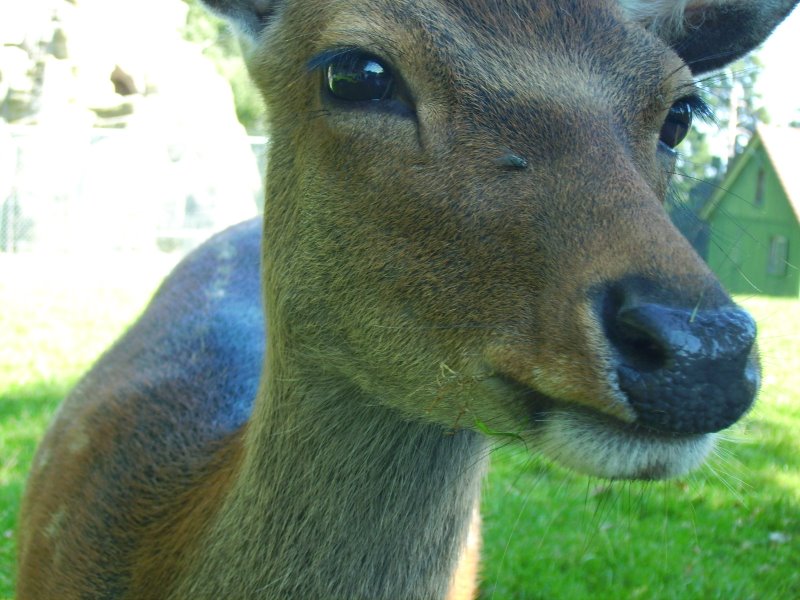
599,445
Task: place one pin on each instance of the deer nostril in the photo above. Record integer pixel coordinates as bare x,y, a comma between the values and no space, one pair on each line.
683,371
641,341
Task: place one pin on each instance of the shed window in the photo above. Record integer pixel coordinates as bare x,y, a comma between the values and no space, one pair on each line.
778,255
759,199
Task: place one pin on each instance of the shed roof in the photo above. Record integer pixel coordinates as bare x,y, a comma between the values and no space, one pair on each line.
782,146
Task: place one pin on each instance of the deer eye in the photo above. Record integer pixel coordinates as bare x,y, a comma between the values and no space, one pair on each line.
678,123
354,76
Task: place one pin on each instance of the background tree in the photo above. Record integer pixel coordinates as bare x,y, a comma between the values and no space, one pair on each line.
220,45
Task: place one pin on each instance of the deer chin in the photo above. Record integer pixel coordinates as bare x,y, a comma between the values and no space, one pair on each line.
601,446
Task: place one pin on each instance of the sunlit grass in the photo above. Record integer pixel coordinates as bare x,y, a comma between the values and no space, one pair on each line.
730,531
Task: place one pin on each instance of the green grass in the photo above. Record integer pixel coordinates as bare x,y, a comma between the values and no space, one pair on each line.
730,531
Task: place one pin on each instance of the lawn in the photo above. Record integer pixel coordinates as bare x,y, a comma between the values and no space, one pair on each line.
731,530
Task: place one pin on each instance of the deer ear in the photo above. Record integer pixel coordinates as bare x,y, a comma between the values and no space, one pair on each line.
709,34
249,17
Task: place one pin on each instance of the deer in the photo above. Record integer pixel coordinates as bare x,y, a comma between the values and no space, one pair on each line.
464,234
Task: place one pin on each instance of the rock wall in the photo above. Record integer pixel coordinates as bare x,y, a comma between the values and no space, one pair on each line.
124,134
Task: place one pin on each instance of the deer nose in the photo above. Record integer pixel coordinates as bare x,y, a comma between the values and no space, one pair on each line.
684,371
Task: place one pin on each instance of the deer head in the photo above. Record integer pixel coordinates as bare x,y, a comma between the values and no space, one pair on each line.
464,217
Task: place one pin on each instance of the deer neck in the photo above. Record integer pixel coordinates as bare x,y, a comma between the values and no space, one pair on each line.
337,496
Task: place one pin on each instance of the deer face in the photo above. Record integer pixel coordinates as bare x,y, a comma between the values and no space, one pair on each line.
465,222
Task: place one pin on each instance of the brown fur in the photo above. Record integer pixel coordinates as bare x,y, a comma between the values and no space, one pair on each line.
427,281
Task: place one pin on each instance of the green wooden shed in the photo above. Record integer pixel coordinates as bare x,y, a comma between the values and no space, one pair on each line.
754,217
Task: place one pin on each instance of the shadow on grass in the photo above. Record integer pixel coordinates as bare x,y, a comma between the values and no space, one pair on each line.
769,447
